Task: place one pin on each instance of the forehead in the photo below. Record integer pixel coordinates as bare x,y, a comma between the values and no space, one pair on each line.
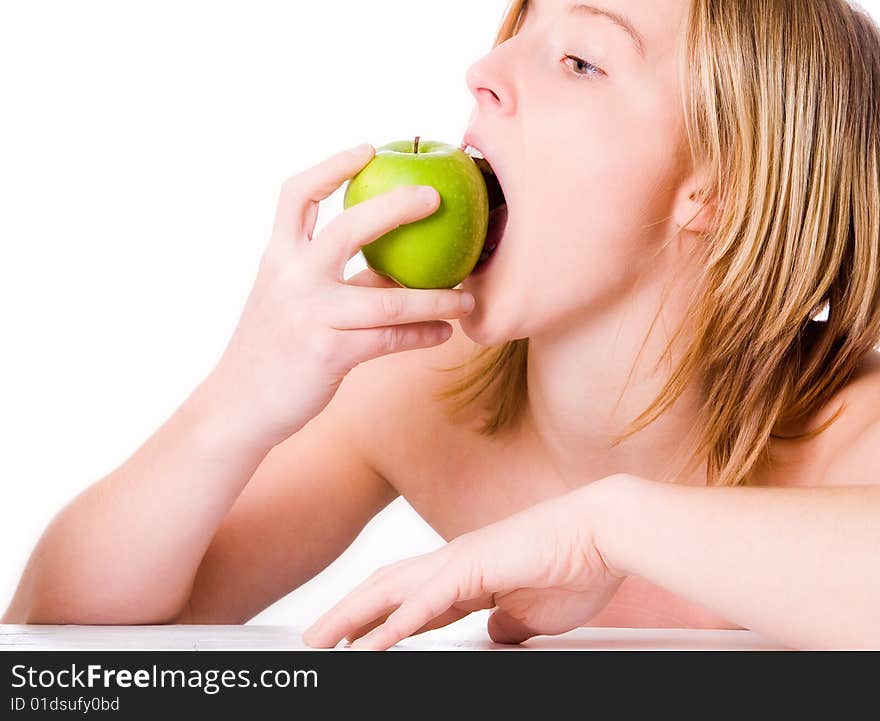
656,21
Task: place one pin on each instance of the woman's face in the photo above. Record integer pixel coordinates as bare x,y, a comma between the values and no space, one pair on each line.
584,131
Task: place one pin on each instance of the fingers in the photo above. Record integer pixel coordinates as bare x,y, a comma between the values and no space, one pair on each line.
358,609
402,600
456,613
371,219
374,321
355,307
360,631
364,344
444,619
412,614
297,204
423,607
411,601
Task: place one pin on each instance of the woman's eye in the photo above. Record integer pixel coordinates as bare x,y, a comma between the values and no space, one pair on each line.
582,68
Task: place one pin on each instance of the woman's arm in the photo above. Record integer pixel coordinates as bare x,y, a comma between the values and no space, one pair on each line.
800,565
131,547
127,548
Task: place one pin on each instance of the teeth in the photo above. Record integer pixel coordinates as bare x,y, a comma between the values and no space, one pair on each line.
473,152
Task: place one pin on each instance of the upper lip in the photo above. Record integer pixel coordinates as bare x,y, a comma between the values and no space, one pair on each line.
471,139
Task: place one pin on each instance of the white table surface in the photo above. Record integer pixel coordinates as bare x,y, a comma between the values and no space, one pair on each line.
455,638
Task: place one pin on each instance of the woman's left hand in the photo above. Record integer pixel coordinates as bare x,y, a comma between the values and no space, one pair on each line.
542,567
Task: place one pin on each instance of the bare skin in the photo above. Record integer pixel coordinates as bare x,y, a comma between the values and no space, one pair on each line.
458,480
245,493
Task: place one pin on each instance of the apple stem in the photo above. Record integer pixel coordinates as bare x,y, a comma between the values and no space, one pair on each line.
416,145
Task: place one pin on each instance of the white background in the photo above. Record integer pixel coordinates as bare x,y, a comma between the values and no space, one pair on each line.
142,145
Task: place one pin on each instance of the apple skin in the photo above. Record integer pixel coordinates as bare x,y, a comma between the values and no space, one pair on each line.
438,251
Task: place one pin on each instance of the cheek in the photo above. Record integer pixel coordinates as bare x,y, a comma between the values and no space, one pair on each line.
593,200
586,231
589,208
611,183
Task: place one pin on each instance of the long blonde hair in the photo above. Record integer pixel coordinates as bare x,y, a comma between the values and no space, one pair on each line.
781,102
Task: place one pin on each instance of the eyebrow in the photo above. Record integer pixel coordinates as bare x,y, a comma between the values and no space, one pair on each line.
620,20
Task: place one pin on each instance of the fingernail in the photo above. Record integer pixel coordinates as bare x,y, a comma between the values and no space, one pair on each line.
362,149
428,193
467,302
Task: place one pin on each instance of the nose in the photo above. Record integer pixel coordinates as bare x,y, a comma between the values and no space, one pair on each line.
489,81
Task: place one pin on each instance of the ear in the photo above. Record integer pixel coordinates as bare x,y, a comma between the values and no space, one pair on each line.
693,212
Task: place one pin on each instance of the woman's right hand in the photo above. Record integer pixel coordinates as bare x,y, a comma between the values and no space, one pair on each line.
304,327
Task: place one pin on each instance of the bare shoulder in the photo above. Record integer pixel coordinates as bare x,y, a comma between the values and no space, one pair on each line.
854,456
848,452
393,397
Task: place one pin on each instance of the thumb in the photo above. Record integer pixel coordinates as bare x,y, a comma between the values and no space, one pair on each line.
504,628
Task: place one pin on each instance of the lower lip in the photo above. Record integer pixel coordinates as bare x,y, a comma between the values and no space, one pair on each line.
497,226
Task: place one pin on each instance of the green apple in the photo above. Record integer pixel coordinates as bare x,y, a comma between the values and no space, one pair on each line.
440,250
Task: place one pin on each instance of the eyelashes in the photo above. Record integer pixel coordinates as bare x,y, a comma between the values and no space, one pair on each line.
592,71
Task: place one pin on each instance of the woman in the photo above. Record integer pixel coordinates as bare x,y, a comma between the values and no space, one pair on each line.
688,183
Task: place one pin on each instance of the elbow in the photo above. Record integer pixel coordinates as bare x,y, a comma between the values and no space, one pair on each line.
93,609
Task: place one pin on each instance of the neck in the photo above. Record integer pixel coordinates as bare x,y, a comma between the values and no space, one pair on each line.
587,381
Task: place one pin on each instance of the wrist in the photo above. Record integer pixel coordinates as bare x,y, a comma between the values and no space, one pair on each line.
613,503
218,422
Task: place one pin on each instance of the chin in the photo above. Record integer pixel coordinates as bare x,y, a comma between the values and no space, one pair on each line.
499,314
483,330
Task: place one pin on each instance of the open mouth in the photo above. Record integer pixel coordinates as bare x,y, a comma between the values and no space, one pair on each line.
497,207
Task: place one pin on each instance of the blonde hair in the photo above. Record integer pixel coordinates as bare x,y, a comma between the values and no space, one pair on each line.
780,101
